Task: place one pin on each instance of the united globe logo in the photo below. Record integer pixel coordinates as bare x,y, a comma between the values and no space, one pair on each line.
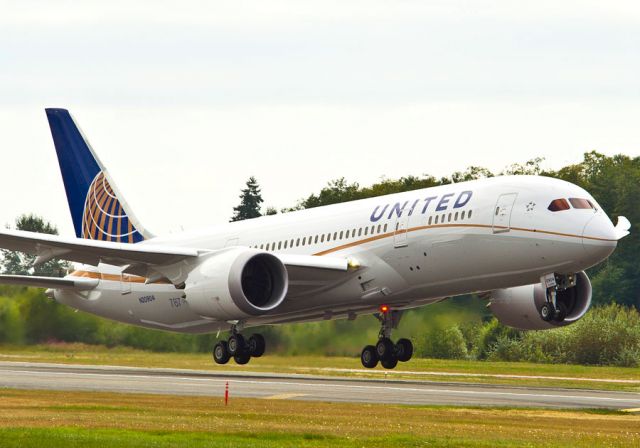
104,218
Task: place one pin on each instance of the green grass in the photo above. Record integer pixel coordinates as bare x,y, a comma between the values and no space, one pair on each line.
420,369
87,419
72,437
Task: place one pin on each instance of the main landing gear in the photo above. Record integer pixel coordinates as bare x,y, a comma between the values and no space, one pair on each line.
385,351
239,348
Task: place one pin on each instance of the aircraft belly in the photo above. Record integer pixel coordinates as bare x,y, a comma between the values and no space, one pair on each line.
153,306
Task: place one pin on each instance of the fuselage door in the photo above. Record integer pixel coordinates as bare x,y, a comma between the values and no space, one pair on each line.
502,212
400,230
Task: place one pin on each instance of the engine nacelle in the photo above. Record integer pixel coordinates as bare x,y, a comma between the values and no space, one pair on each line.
519,307
236,284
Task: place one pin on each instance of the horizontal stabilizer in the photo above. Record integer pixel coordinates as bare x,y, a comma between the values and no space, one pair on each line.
49,282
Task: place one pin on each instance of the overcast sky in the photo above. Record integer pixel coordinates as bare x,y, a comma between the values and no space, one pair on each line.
184,100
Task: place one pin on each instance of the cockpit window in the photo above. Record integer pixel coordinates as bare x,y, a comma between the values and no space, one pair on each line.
581,203
558,205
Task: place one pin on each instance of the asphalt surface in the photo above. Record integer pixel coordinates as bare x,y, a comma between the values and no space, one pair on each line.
22,375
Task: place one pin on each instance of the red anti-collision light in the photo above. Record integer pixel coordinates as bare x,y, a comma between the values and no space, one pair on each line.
384,309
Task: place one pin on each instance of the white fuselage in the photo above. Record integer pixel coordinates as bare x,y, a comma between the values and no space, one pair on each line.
414,248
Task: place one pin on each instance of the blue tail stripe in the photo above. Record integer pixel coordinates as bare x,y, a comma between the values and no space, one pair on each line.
77,164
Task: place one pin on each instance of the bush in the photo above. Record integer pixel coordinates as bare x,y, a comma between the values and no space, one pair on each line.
607,335
447,343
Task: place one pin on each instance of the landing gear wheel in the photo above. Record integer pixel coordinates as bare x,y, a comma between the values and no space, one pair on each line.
561,312
221,353
389,363
242,358
236,345
404,350
256,345
384,348
547,312
369,357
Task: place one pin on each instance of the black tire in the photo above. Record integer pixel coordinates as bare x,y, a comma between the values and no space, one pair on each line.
561,312
236,345
242,358
389,363
404,350
547,312
221,353
369,357
384,348
256,345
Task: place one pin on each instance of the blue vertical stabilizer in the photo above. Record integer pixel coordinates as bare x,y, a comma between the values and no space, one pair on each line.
97,210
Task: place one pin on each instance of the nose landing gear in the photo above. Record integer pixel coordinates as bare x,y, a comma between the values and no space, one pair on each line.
553,309
239,348
385,351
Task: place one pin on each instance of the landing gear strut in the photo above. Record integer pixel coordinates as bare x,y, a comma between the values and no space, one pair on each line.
385,351
552,309
238,348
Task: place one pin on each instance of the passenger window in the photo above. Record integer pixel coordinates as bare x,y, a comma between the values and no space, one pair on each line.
449,217
455,217
462,215
285,244
385,227
322,238
469,214
373,230
328,237
366,230
297,242
341,233
335,236
379,227
436,219
558,205
316,239
580,203
279,245
360,231
429,220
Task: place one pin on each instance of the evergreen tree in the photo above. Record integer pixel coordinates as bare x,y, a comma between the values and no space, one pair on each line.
250,200
21,263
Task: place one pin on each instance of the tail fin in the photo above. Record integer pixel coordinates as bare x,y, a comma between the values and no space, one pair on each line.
98,211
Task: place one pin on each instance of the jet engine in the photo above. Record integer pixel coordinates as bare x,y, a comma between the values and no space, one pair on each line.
236,283
520,307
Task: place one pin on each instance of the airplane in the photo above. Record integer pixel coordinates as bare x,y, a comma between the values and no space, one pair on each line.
521,242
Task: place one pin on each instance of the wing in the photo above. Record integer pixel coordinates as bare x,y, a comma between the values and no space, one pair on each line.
310,274
49,282
45,247
306,272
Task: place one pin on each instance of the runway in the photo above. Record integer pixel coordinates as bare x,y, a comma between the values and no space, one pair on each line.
23,375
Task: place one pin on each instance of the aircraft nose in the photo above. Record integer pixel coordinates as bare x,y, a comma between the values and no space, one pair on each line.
599,237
